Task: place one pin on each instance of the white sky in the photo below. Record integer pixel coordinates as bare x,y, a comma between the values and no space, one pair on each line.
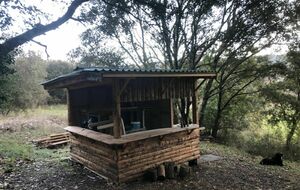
59,42
65,38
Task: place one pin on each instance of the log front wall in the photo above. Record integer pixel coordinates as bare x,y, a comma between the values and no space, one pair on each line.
129,157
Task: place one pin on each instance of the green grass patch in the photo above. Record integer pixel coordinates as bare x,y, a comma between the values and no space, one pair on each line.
17,144
59,110
52,110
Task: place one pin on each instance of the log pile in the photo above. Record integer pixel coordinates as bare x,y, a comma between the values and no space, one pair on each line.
53,140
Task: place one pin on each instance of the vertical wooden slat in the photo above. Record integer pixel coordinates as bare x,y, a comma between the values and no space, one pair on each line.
171,113
117,110
71,110
194,104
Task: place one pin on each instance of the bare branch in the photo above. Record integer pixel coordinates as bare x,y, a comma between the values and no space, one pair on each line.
10,44
43,45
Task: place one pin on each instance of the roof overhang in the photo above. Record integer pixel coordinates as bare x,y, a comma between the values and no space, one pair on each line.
96,76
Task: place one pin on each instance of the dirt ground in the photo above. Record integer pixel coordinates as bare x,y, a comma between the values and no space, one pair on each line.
227,173
235,171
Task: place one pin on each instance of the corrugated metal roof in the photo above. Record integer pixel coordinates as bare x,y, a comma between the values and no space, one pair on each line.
97,70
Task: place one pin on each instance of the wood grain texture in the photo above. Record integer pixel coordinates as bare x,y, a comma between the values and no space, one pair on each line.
130,156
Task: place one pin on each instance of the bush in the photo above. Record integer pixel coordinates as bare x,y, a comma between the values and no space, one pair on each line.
261,140
22,90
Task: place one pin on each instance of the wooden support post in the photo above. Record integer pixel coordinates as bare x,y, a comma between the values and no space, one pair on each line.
171,113
184,171
117,110
194,105
161,173
170,170
71,120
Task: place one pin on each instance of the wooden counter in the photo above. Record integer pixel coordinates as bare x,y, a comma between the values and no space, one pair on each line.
128,157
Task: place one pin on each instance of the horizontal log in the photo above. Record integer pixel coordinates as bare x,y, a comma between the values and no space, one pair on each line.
154,145
175,153
97,149
100,163
150,153
60,134
134,137
57,143
93,155
157,161
147,149
125,178
93,167
172,157
91,142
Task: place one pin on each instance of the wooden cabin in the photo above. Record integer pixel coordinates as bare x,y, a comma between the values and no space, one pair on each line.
121,121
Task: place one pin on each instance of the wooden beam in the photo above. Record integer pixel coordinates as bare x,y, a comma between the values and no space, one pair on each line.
71,121
171,113
194,104
117,110
124,86
143,75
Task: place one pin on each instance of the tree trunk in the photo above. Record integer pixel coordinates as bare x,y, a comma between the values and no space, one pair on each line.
204,102
216,125
290,136
184,111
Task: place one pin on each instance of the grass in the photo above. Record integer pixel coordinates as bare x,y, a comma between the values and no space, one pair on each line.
241,155
17,144
59,110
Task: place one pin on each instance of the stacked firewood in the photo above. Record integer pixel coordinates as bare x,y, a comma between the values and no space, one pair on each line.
53,140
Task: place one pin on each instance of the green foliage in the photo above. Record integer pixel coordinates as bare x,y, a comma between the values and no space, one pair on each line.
235,94
261,139
283,94
98,57
55,69
22,90
221,36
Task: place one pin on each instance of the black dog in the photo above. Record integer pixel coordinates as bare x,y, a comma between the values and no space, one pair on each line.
276,160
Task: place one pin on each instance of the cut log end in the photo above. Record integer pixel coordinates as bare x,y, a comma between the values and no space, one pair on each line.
161,172
151,175
170,170
184,171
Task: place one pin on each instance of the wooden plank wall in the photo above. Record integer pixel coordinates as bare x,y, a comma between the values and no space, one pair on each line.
147,89
95,155
139,156
130,160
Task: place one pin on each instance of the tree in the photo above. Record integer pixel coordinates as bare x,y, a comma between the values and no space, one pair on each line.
9,43
283,94
98,56
22,89
55,69
218,35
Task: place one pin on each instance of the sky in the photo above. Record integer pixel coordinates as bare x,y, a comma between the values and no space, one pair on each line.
59,42
67,37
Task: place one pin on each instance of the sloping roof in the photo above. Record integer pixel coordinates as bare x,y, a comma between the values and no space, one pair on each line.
96,74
